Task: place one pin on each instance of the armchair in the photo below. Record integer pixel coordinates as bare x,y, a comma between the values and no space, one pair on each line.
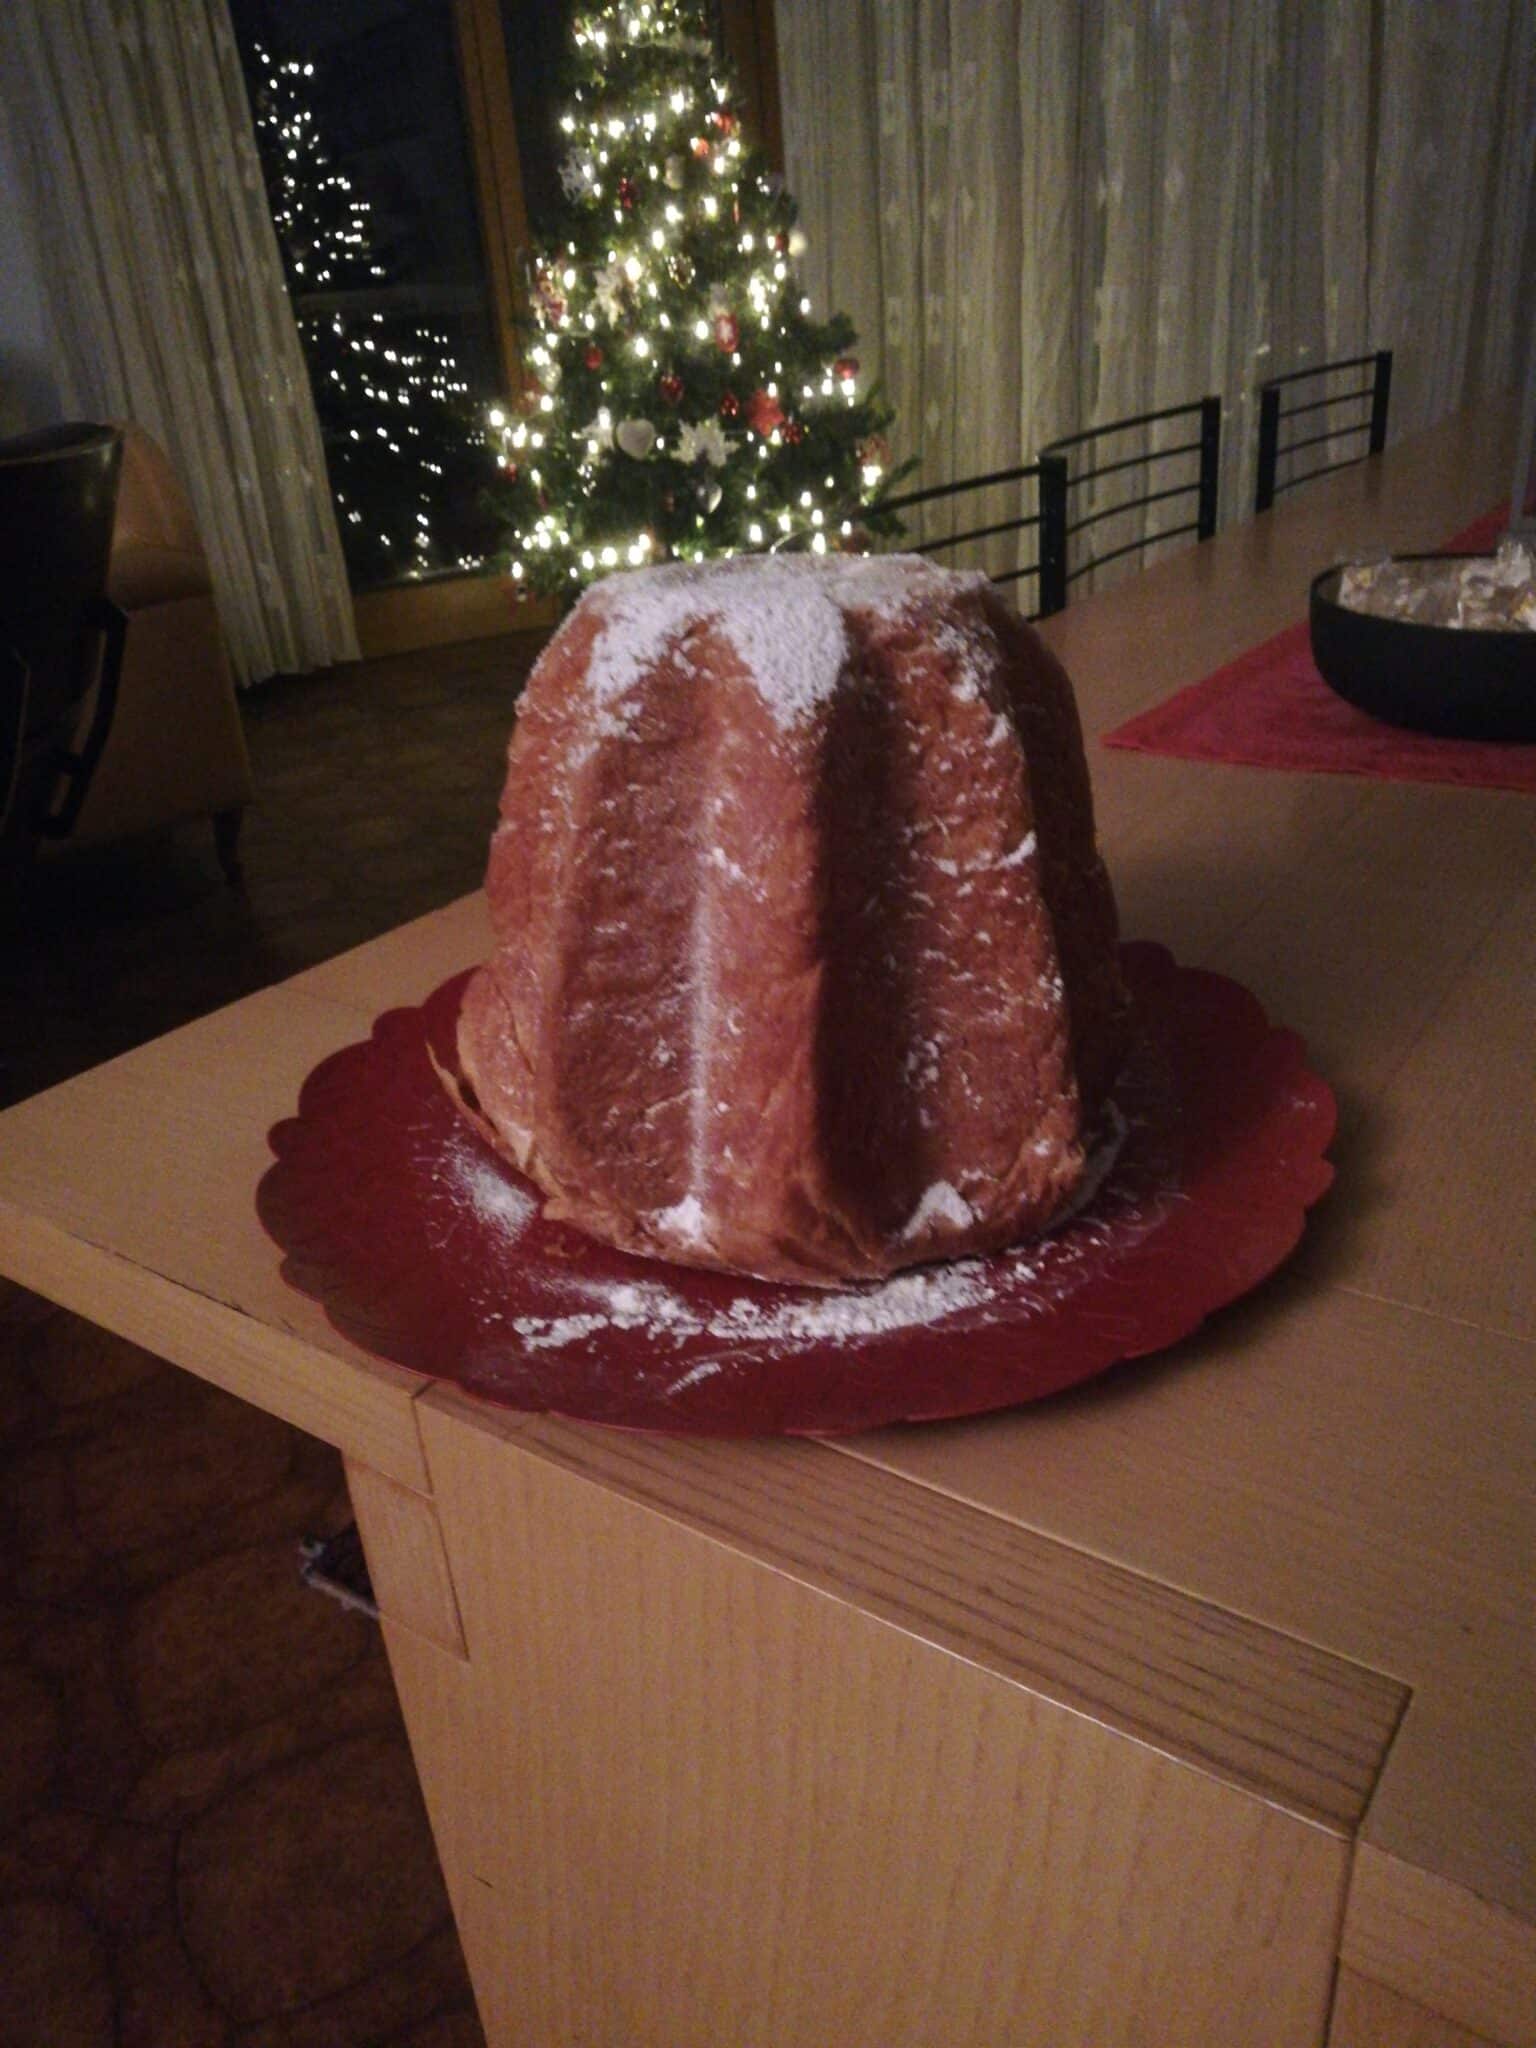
176,748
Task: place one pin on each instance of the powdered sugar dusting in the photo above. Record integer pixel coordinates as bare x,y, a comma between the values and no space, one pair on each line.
685,1221
925,1296
483,1187
940,1204
782,614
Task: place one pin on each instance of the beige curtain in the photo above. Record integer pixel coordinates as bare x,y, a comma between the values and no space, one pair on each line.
1045,214
167,299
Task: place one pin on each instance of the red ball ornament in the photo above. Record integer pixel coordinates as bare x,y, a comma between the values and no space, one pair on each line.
730,405
727,333
594,356
847,367
701,146
781,242
794,433
627,194
764,414
671,388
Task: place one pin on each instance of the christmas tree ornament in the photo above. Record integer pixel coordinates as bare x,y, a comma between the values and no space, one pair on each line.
700,147
671,388
727,333
680,269
730,405
636,438
593,357
627,194
764,413
609,290
710,494
674,172
703,440
794,432
847,367
550,300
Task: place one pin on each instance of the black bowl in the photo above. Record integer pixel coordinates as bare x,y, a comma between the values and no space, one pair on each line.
1458,682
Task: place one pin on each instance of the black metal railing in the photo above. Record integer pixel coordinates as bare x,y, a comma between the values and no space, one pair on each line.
1201,487
1274,414
1049,475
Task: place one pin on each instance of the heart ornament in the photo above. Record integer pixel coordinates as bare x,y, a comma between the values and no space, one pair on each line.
636,437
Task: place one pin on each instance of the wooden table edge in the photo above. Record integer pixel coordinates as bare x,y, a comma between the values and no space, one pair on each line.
1441,1946
1301,1729
365,1407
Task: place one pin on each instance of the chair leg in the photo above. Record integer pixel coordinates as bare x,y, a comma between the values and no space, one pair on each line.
226,839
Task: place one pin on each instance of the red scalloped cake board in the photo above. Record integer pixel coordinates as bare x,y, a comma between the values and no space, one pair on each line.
424,1247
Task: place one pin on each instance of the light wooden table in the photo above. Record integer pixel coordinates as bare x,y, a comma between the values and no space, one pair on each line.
1193,1707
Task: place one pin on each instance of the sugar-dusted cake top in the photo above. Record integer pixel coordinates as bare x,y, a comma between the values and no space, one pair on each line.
783,614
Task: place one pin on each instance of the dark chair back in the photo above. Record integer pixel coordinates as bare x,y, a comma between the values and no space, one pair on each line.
1046,522
1284,400
1137,467
58,495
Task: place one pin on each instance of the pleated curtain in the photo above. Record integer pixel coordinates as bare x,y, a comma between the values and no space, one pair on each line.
1046,214
166,296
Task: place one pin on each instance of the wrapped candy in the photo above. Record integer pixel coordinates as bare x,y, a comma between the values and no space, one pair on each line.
1479,593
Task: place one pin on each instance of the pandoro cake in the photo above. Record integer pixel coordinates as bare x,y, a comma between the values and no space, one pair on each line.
804,956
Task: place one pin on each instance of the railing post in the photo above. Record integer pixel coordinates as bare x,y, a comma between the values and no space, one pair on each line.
1269,446
1053,534
1381,391
1210,466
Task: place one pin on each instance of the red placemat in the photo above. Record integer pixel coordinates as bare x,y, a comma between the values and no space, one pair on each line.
1271,709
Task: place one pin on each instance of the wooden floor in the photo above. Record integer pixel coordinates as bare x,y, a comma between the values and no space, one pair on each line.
210,1833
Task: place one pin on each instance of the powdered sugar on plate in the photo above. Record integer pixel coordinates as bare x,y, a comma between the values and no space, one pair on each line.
775,1321
477,1184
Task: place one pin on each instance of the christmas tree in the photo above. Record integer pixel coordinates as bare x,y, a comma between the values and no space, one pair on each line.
683,402
403,443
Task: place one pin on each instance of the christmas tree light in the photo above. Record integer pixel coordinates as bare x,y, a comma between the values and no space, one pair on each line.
682,402
403,441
